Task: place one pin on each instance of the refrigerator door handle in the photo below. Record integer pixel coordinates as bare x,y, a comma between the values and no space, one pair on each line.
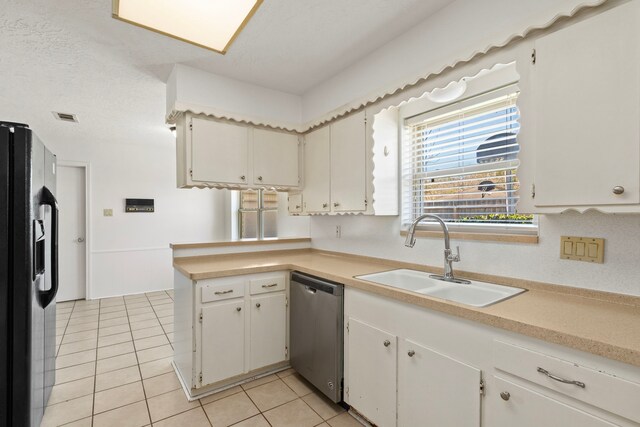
48,199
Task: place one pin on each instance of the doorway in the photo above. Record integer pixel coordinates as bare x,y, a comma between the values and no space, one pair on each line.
72,241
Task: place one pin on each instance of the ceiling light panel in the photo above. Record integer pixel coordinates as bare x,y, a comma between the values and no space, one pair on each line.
212,24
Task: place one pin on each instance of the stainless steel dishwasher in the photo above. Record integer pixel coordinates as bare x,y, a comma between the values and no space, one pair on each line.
317,336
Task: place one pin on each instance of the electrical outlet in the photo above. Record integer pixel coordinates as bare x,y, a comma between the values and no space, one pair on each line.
338,231
107,212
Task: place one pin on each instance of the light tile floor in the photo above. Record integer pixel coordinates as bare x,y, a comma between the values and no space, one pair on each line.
113,368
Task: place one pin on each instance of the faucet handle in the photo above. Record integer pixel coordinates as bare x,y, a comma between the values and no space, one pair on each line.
456,257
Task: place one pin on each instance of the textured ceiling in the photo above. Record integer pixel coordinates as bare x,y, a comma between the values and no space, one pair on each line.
71,56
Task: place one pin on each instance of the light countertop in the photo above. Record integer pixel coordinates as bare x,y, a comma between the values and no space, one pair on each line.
595,322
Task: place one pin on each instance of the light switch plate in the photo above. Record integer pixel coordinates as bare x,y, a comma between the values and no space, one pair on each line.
107,212
588,249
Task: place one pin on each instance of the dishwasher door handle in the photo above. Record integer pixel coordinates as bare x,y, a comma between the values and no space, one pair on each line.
310,289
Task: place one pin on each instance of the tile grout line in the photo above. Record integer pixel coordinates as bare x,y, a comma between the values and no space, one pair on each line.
95,365
144,392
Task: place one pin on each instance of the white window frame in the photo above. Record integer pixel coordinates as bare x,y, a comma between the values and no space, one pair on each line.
260,210
412,111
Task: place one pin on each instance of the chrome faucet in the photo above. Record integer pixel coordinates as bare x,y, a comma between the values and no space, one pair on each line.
449,257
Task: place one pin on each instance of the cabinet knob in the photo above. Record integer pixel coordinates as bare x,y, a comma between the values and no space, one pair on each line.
238,308
618,189
242,177
505,395
259,178
336,204
411,353
297,206
258,305
324,205
387,343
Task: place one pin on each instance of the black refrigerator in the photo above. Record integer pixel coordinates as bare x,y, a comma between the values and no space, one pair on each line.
28,275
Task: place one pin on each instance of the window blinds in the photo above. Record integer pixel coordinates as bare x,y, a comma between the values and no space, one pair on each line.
460,162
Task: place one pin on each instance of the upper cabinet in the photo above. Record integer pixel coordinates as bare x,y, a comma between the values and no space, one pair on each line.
586,103
317,171
339,163
275,158
348,168
219,152
213,153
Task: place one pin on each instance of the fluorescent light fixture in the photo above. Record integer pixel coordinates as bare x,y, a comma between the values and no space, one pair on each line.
212,24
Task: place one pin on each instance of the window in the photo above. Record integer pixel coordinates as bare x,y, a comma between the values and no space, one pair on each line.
257,214
460,163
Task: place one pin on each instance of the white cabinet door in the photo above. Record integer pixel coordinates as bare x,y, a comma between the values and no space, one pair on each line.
317,171
436,390
275,158
219,152
222,341
294,203
268,330
372,373
524,407
348,164
587,103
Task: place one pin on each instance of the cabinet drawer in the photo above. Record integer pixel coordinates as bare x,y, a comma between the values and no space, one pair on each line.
596,388
268,284
221,291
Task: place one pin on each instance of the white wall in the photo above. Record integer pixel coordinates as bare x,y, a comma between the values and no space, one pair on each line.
454,33
202,92
129,252
380,237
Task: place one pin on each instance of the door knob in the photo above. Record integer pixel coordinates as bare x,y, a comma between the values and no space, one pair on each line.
411,353
505,395
80,239
387,343
618,189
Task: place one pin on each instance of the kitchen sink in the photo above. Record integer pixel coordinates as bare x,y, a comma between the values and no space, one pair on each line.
476,294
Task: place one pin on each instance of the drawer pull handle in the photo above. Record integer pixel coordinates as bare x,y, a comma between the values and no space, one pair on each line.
505,395
223,292
559,379
270,286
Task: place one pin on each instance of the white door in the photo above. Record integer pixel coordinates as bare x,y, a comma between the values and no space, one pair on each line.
222,341
514,405
436,390
268,330
372,373
72,247
348,164
317,173
219,152
275,158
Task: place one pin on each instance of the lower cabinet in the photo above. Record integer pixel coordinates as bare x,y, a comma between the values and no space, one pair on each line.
372,372
396,381
230,329
436,390
222,338
407,366
268,329
523,407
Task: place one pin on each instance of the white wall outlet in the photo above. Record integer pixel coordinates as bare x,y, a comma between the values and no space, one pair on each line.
338,231
107,212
